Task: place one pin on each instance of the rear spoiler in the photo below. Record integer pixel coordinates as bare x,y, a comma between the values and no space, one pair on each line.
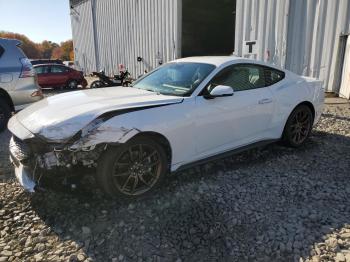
312,79
16,42
12,41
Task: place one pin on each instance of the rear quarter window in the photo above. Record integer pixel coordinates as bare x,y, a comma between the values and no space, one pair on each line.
58,69
42,69
273,76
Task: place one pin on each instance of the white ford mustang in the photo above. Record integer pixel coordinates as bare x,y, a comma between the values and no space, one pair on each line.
182,113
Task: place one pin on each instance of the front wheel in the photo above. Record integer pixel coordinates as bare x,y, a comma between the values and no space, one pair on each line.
132,169
298,126
96,84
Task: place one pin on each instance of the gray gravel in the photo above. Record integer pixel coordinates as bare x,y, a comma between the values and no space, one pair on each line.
270,204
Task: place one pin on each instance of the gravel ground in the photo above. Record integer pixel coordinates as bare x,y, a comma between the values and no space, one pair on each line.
270,204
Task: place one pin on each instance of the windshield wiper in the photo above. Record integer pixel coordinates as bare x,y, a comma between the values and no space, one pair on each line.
151,90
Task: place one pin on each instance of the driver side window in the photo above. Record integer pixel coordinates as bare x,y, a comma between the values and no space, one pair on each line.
239,77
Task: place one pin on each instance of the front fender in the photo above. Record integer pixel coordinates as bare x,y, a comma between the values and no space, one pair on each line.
105,134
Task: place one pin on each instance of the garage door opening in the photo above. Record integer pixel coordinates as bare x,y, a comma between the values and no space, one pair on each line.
208,27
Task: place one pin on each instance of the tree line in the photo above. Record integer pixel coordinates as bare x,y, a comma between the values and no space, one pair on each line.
45,49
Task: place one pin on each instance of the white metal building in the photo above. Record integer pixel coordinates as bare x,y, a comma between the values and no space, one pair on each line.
309,37
111,32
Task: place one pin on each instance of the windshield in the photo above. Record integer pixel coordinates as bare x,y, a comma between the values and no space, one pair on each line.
179,79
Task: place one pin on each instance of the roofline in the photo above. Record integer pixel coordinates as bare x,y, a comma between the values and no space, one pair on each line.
49,64
15,41
215,60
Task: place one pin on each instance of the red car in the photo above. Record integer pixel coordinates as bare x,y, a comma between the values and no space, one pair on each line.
54,75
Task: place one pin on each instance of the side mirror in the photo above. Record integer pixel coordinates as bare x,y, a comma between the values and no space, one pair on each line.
220,91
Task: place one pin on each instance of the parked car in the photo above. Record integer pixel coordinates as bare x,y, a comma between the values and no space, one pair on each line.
46,61
182,113
54,75
18,83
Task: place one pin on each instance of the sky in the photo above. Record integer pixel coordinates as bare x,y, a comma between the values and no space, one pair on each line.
37,19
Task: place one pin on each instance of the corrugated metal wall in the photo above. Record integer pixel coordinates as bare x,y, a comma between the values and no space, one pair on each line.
126,29
266,22
84,48
300,35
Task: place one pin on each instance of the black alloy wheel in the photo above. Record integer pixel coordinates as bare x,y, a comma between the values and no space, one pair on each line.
132,169
299,126
137,169
97,84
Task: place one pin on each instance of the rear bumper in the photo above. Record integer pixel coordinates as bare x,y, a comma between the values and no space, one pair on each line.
25,97
25,91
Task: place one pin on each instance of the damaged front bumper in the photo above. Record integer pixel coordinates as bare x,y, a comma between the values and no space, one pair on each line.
23,176
37,157
35,164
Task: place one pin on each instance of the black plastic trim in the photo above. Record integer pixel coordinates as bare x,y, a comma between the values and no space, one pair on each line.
114,113
225,154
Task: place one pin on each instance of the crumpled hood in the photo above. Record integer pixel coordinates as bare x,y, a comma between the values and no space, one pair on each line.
59,117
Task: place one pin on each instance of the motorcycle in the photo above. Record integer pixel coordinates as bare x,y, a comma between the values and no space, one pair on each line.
123,79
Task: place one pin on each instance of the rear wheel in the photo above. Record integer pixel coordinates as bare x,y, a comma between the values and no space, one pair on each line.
132,169
5,113
127,83
298,127
72,84
96,84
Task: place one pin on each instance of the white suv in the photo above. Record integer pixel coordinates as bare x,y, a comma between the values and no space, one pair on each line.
18,81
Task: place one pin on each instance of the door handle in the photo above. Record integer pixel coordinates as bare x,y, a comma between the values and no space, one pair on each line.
265,101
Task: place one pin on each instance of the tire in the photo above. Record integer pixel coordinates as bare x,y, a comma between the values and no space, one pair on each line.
72,84
298,126
96,84
5,113
132,169
127,83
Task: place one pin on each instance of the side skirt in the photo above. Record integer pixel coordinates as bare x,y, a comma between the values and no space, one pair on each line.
225,154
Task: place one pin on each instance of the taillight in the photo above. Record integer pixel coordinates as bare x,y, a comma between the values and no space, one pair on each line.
27,68
37,93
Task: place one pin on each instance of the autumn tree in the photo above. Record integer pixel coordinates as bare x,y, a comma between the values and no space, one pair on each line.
45,49
71,55
57,53
31,49
67,48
